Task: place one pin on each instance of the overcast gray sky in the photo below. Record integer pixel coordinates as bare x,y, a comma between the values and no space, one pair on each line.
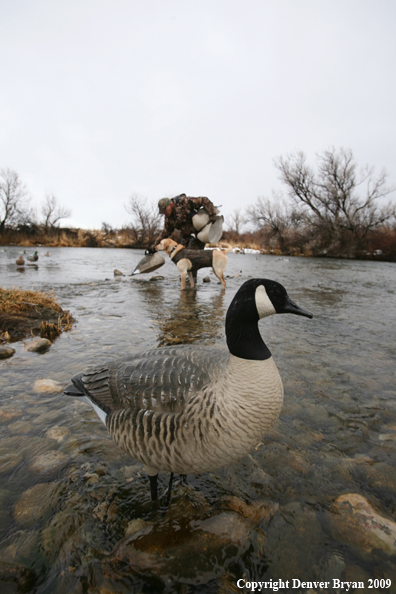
101,99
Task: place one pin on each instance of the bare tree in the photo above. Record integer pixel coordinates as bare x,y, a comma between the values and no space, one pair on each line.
339,201
236,221
14,201
146,220
53,212
275,219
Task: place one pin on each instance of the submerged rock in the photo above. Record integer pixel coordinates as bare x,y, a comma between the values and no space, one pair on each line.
136,525
256,511
21,546
6,414
294,534
57,433
10,458
198,551
19,427
35,503
354,521
23,577
47,385
51,462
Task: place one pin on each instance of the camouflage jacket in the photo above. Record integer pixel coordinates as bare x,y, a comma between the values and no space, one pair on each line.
180,219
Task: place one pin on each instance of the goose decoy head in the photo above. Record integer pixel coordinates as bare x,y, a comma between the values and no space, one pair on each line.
256,299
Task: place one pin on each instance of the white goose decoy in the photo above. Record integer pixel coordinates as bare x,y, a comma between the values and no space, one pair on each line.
186,410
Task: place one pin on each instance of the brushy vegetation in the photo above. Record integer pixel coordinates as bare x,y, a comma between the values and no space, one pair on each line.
330,209
28,313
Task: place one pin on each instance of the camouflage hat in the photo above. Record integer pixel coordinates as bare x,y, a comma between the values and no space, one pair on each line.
163,203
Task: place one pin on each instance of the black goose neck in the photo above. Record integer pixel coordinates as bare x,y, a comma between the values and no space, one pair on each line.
243,336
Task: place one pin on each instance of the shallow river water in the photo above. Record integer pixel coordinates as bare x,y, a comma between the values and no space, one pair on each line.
75,512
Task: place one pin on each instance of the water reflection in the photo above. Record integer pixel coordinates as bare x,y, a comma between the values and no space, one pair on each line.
184,317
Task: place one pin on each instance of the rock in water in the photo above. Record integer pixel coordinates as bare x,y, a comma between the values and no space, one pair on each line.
40,344
6,352
49,463
357,523
47,385
34,503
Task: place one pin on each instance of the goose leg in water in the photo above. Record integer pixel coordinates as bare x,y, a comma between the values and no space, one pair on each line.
153,487
168,496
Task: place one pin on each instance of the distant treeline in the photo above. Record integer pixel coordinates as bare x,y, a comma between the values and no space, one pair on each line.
333,209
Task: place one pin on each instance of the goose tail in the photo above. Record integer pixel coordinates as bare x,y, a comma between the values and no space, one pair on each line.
78,389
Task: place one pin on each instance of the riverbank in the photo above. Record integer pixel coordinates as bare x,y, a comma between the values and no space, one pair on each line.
31,313
121,240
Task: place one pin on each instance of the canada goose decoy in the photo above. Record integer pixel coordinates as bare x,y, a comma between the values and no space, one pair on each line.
190,410
20,261
33,257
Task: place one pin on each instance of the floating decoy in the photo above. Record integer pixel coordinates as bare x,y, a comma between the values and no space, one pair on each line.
20,261
149,263
190,410
33,257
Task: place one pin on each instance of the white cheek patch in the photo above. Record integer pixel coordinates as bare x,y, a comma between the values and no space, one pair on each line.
263,303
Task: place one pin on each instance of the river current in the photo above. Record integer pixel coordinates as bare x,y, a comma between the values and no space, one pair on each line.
75,512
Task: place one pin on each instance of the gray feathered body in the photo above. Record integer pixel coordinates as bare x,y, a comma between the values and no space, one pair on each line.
184,410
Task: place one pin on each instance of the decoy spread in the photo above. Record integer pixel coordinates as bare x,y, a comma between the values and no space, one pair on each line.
186,410
33,257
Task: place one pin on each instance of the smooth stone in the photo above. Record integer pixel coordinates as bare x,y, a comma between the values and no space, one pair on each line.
294,534
50,462
298,462
57,433
63,525
22,548
19,427
387,437
354,521
23,577
199,551
10,458
6,352
34,503
377,474
118,272
206,279
136,525
40,344
45,418
47,386
256,511
157,278
6,414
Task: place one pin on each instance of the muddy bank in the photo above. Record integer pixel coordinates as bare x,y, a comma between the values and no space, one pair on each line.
31,313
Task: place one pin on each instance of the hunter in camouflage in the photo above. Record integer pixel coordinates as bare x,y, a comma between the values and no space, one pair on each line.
178,213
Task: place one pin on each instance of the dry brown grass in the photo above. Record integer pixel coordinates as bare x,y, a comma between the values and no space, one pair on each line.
24,313
16,301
